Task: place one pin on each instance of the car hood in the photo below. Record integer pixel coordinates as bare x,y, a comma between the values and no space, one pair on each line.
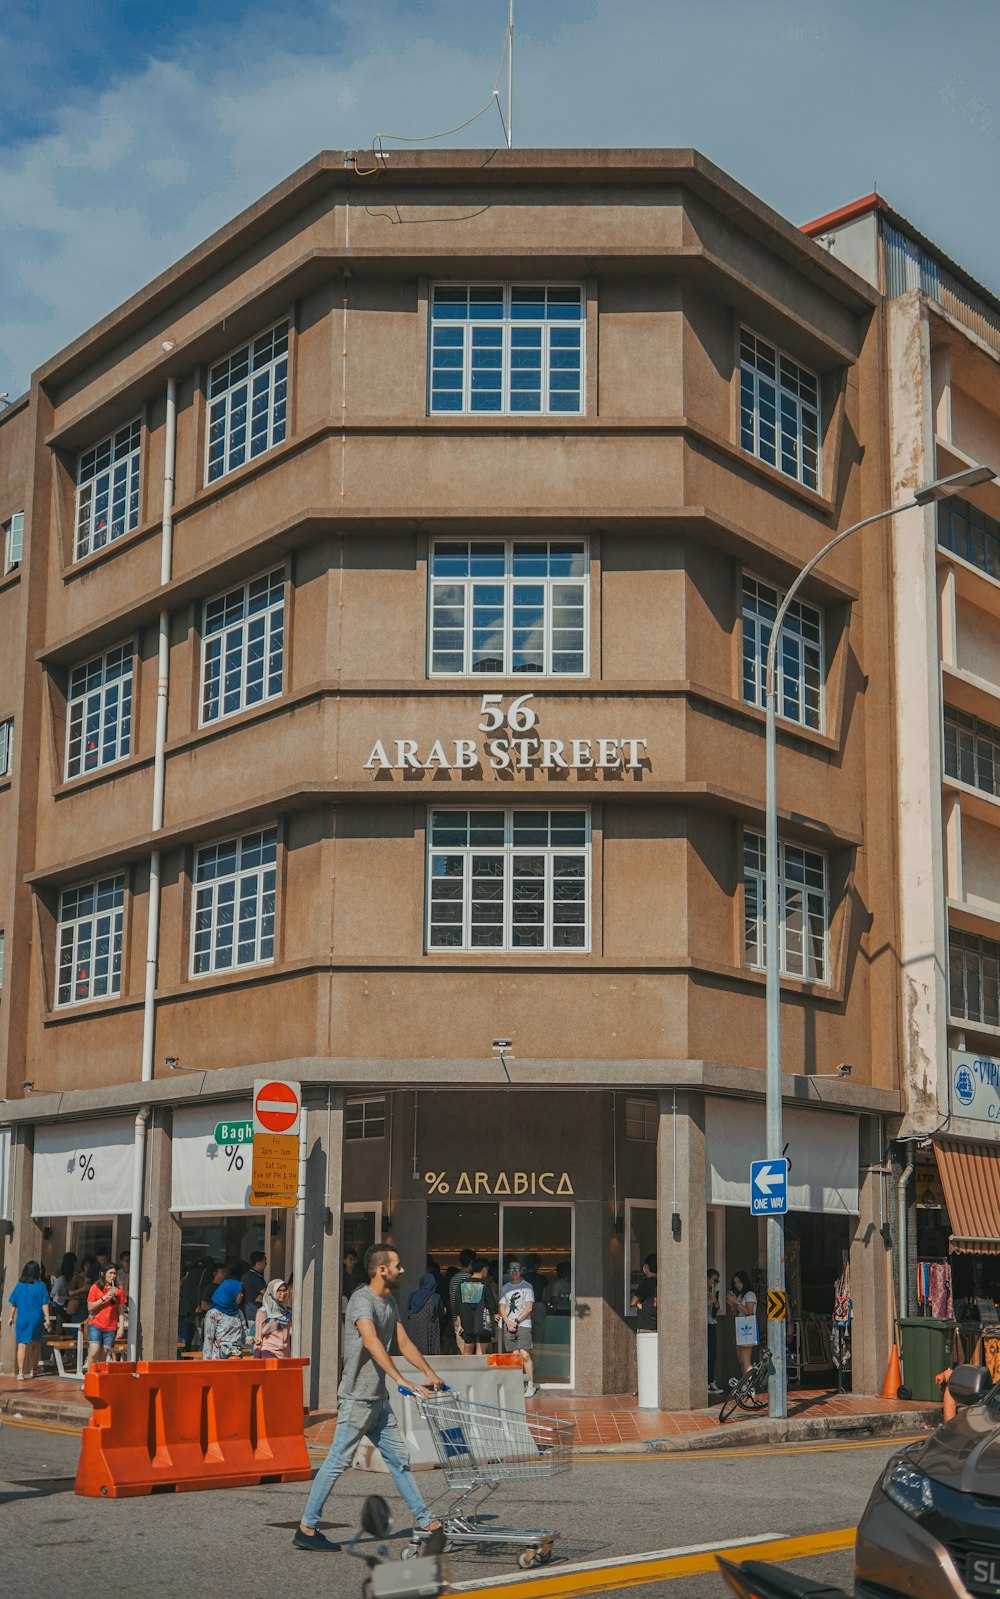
965,1453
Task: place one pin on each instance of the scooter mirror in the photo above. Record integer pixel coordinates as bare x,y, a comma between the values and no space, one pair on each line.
375,1517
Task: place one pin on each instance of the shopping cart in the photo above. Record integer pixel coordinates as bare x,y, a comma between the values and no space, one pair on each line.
480,1447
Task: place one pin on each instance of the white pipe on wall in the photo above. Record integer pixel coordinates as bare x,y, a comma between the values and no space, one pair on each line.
153,919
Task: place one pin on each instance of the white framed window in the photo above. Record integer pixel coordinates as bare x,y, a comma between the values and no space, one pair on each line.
107,490
799,662
99,711
804,926
509,879
13,542
642,1119
234,899
509,606
507,349
247,402
779,410
89,950
6,747
243,646
364,1117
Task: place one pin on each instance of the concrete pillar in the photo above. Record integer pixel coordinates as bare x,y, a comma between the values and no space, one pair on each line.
872,1330
317,1297
161,1253
406,1199
681,1252
589,1295
25,1242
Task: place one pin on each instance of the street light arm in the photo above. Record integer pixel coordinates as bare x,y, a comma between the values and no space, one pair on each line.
807,570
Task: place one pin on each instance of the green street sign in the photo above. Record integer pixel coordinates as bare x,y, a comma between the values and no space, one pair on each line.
234,1133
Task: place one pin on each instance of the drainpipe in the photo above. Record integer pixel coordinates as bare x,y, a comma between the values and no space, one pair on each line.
153,922
902,1294
299,1247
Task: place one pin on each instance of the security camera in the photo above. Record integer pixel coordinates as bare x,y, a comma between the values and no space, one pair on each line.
844,1069
27,1086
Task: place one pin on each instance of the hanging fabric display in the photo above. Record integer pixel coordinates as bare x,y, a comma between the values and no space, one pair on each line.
840,1328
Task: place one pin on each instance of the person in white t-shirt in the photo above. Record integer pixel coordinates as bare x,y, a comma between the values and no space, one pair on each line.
517,1297
742,1301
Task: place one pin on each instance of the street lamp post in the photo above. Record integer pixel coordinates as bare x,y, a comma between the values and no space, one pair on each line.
939,489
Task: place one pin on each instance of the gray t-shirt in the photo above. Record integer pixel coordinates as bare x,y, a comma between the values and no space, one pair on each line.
362,1379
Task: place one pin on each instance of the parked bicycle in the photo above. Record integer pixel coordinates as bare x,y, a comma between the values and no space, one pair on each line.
749,1392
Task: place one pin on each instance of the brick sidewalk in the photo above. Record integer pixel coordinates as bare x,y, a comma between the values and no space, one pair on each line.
601,1422
617,1419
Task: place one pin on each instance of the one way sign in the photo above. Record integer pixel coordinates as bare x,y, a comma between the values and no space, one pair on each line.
768,1187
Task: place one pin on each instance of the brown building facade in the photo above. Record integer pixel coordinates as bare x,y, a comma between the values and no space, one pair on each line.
396,573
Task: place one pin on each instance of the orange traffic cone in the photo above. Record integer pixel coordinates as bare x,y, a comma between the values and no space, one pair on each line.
893,1376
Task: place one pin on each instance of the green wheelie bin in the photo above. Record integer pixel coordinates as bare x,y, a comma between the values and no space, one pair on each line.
925,1349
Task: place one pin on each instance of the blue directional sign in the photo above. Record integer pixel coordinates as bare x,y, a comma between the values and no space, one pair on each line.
768,1187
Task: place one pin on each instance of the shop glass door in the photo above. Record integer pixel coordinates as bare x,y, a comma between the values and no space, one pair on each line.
362,1227
640,1241
542,1237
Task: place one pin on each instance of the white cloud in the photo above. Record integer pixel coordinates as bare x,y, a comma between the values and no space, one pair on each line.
807,107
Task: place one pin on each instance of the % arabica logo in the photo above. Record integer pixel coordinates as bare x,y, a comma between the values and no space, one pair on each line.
511,744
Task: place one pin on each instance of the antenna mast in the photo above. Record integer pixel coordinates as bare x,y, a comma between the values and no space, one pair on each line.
510,75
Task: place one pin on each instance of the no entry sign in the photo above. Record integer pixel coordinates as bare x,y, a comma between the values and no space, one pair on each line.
277,1106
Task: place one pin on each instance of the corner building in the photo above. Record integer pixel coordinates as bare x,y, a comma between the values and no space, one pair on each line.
462,492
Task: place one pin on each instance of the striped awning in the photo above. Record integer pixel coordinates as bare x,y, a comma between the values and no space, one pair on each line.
970,1177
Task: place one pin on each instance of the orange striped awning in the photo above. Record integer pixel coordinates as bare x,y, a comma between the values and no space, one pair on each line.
970,1177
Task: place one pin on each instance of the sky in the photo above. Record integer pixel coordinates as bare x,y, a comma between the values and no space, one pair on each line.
131,130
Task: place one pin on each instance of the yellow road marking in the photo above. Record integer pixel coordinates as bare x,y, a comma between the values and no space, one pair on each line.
618,1574
748,1451
39,1426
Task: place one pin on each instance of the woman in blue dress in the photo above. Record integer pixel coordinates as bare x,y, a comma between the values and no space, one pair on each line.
31,1310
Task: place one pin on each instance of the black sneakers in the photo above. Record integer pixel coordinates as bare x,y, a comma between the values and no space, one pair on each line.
316,1542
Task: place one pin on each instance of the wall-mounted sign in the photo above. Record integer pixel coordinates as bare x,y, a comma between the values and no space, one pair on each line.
974,1086
501,1185
511,744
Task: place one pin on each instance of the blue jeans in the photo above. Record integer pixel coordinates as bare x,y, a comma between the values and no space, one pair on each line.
366,1418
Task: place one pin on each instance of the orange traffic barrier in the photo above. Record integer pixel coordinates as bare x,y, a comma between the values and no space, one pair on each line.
893,1376
504,1360
171,1426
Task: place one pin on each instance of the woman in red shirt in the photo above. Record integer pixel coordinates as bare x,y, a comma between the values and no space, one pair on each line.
104,1304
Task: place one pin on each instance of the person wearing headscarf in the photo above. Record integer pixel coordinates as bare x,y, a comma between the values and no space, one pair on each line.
423,1316
225,1323
272,1338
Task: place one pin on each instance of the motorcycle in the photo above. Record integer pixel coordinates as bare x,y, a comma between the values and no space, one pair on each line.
420,1578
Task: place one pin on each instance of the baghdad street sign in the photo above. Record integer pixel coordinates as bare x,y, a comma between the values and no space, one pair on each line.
233,1133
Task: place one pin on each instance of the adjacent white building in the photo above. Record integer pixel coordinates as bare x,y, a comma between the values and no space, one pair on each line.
941,333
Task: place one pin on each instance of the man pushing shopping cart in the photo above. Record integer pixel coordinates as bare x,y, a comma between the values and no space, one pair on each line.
363,1409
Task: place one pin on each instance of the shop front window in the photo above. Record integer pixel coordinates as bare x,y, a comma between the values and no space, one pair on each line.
541,1236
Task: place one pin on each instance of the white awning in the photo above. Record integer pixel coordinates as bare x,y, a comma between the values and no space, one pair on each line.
5,1204
822,1148
83,1168
207,1176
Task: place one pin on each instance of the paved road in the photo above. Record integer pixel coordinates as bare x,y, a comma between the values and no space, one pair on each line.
608,1506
